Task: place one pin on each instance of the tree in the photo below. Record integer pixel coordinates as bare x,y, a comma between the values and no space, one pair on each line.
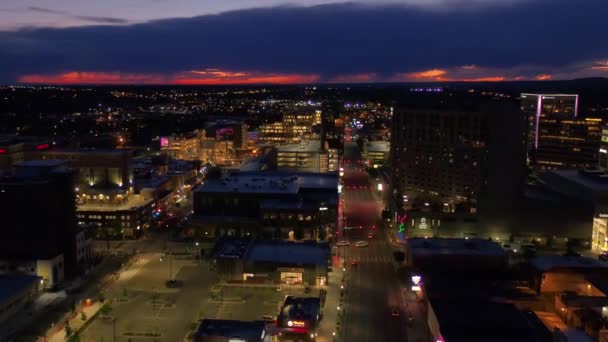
399,256
322,233
68,328
298,233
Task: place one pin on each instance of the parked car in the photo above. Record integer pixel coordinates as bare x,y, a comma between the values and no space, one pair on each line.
361,244
342,243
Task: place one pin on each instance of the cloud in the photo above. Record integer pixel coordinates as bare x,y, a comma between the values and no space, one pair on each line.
210,77
92,19
328,43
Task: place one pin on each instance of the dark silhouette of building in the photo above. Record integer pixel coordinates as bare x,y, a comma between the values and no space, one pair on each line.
558,137
39,214
453,158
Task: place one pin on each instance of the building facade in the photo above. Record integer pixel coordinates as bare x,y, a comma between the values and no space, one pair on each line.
454,160
308,156
558,137
186,146
39,216
97,168
294,128
269,204
376,152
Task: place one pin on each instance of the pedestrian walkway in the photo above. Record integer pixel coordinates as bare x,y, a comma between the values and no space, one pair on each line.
58,333
327,326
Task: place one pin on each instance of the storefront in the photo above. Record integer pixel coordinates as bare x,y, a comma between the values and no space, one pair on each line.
291,276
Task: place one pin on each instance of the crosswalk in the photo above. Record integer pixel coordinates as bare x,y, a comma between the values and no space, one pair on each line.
378,259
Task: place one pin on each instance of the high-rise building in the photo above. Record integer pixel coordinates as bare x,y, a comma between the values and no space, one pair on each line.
39,220
105,196
449,159
332,124
186,146
97,168
603,150
558,137
15,149
294,128
309,156
568,143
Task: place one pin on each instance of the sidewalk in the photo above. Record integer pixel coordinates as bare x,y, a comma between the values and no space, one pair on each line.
327,326
57,334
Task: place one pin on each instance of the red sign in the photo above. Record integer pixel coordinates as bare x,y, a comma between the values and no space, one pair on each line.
2,151
42,146
296,324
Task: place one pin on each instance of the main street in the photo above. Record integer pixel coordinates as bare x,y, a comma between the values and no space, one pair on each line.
373,286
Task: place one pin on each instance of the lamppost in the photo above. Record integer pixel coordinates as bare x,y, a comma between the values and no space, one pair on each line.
198,253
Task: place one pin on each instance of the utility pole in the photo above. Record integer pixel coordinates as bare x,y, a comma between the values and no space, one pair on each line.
170,265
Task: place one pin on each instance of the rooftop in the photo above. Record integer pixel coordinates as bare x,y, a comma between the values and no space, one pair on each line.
444,246
594,180
248,331
305,146
279,252
10,286
287,252
133,202
301,308
270,182
382,146
550,262
473,321
41,163
89,151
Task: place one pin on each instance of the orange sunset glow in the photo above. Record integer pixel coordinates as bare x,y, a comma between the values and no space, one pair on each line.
195,77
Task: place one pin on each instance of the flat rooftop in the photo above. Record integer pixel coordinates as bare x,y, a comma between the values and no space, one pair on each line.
301,308
286,252
378,146
279,252
244,330
596,181
306,146
134,202
447,247
41,163
551,262
477,321
270,183
13,285
88,151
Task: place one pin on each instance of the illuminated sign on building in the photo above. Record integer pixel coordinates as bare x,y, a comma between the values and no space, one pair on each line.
164,141
401,220
42,146
296,324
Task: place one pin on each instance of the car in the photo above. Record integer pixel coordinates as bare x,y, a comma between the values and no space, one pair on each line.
342,243
269,318
603,256
361,244
354,262
370,235
395,312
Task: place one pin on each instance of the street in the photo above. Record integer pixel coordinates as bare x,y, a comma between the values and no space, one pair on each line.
373,286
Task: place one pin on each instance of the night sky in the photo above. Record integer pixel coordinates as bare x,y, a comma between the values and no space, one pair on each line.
269,41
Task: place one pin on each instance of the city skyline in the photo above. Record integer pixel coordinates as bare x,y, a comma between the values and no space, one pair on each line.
300,43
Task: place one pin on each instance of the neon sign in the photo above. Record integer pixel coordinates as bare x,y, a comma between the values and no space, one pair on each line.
402,220
164,141
297,324
42,146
